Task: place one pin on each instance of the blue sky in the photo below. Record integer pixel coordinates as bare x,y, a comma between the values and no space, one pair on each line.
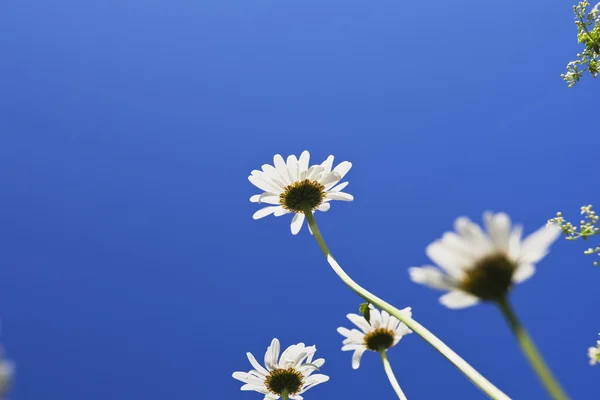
130,266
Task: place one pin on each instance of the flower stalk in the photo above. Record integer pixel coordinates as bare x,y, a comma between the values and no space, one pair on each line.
390,375
475,377
531,352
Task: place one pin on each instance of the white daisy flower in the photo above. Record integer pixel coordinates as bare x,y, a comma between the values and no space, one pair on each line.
479,266
380,333
294,187
594,354
291,373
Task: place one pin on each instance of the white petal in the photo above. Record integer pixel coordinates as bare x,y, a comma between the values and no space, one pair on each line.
339,196
303,160
357,356
360,321
330,178
343,168
458,299
272,173
314,172
256,365
275,348
266,197
473,233
498,227
432,277
536,245
376,318
327,164
280,212
324,207
514,242
281,169
352,346
452,262
297,222
339,187
263,184
292,167
523,272
343,331
263,212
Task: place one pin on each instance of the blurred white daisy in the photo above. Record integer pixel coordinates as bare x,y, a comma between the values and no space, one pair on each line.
292,373
594,354
293,187
379,334
7,370
483,266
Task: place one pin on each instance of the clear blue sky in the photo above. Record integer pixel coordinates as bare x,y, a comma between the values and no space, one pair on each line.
130,266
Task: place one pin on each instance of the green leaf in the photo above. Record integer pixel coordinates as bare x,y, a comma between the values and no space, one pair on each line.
365,311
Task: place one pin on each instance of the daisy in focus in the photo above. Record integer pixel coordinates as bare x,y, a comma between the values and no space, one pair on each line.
285,376
475,265
379,334
291,186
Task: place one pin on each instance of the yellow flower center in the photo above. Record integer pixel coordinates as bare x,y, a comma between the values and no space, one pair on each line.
491,278
287,379
301,195
380,338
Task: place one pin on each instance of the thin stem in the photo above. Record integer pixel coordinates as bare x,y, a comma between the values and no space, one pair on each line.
284,394
390,375
531,352
478,380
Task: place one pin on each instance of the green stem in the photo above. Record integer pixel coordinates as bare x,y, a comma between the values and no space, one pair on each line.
531,352
284,394
390,375
478,380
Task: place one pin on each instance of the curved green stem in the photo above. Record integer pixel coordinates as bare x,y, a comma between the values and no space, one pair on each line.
531,352
391,376
478,380
284,395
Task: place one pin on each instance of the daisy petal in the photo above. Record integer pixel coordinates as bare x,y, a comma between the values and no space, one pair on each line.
297,222
324,207
343,168
303,160
339,196
536,245
498,227
432,277
357,356
458,299
263,212
523,272
327,164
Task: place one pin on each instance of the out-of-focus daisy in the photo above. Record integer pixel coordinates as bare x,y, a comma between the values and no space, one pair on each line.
594,354
483,266
292,186
7,370
379,334
288,375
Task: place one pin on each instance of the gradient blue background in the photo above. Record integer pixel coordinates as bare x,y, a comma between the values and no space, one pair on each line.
130,266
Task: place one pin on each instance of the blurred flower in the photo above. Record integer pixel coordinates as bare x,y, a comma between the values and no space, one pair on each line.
7,370
293,187
594,354
478,266
291,373
383,331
